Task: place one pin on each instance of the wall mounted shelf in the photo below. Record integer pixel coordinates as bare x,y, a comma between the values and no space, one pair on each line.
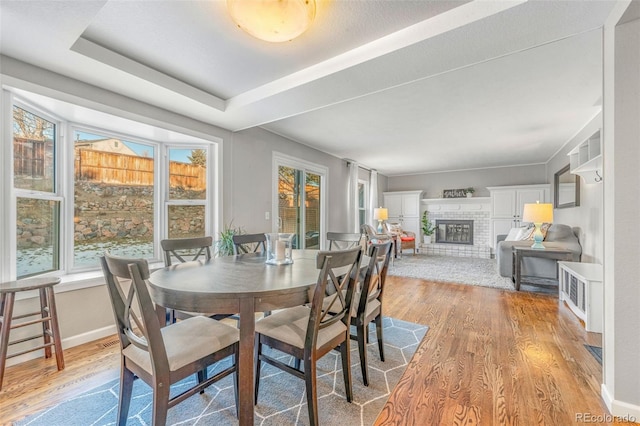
586,159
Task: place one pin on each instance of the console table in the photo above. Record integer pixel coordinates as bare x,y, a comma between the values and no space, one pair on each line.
582,291
519,253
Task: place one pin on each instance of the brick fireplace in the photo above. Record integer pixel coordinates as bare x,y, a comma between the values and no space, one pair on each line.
467,221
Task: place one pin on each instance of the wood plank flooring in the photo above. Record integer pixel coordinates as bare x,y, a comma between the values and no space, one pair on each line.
490,357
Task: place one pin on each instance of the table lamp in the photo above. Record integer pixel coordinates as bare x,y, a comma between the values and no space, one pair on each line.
380,214
538,214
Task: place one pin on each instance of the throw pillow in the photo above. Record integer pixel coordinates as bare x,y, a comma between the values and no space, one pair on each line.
543,228
514,234
394,228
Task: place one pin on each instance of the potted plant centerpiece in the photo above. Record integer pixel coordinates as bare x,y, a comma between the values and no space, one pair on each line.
470,192
428,228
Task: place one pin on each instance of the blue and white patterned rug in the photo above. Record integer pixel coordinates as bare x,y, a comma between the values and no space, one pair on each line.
282,399
463,270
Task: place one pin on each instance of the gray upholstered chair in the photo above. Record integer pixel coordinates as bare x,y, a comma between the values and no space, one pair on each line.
161,356
369,303
309,332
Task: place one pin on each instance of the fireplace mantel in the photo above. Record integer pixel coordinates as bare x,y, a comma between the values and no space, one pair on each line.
457,204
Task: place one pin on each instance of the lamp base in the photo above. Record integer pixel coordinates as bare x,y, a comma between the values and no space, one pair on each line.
537,238
379,227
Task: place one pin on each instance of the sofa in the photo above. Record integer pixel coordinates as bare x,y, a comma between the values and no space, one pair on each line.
558,236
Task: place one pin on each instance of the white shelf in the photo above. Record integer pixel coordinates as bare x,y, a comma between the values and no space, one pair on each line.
586,159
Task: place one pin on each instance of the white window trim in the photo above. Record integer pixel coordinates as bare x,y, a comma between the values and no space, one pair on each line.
365,185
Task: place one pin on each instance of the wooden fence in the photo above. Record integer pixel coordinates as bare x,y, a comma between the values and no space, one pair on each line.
29,157
108,167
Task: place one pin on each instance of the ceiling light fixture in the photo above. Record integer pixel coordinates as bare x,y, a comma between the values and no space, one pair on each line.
273,20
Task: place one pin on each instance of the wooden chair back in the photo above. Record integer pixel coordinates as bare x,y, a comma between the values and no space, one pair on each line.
373,285
249,243
334,291
343,240
186,249
141,330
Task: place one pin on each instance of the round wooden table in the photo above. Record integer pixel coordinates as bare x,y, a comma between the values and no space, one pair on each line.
242,284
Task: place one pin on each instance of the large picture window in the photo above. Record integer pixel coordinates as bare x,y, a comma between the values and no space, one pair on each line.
113,198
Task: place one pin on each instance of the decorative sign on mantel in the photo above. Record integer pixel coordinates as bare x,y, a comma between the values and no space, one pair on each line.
454,193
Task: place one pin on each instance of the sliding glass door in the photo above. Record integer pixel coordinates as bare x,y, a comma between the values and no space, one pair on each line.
300,201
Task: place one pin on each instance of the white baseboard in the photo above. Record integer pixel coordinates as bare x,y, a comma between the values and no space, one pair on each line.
67,343
622,410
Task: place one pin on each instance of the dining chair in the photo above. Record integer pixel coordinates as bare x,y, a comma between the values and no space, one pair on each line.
161,356
369,303
343,240
249,243
309,332
185,250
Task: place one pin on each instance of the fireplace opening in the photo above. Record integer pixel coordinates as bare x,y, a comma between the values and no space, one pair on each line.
454,231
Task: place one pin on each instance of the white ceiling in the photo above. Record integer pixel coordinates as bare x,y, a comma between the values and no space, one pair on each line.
398,85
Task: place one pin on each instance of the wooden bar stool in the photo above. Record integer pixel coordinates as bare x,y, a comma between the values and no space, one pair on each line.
47,316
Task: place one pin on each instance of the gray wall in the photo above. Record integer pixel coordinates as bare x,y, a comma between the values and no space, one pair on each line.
433,183
248,164
588,216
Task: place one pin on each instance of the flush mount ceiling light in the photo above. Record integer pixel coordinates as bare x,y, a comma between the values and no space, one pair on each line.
273,20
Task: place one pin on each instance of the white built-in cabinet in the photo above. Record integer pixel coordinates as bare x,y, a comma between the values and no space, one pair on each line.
507,204
581,289
404,208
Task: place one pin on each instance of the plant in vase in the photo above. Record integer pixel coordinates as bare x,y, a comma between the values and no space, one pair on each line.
470,192
428,228
224,244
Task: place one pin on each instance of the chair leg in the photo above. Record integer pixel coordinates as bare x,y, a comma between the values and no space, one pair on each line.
312,394
235,385
124,398
202,376
296,363
160,404
257,352
362,348
6,312
346,368
378,321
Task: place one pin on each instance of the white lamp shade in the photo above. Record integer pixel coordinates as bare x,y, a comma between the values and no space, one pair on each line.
538,213
273,20
380,213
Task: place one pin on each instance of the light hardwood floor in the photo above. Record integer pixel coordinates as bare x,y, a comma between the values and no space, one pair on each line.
490,357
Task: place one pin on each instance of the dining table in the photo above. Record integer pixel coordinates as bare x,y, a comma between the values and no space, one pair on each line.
243,284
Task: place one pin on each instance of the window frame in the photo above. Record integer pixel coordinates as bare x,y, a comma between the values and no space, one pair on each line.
57,195
64,180
364,209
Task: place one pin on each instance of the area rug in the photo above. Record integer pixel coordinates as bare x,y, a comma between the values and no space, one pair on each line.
596,352
282,398
463,270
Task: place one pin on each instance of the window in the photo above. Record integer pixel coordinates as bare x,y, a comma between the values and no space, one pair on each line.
186,204
79,190
300,190
37,199
362,201
113,198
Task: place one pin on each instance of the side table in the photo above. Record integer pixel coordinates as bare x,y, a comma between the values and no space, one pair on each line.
519,253
47,315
